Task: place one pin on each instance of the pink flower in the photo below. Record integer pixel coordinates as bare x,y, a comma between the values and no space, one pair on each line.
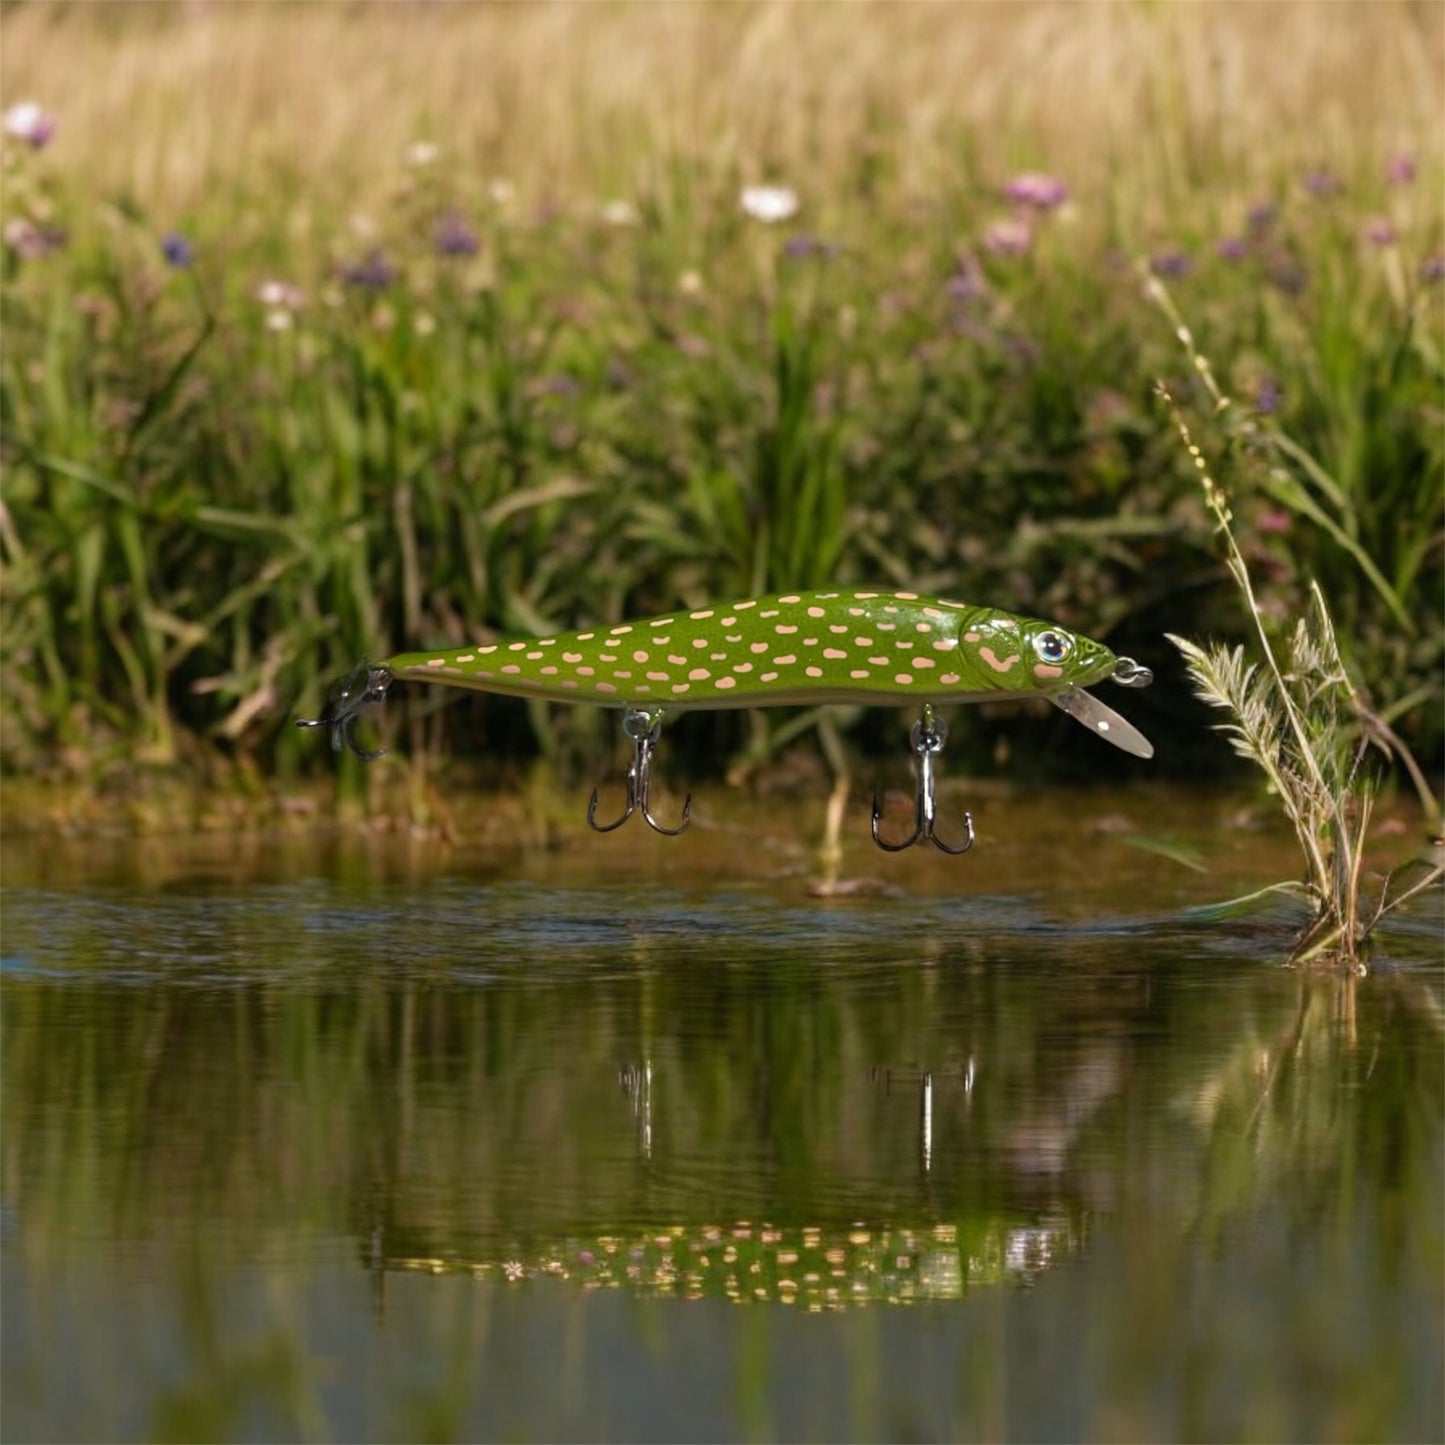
1379,231
1009,237
26,121
1036,190
1400,170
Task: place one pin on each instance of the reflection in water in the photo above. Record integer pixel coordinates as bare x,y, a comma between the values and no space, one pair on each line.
359,1162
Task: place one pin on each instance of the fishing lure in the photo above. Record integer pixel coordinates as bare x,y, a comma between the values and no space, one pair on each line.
883,649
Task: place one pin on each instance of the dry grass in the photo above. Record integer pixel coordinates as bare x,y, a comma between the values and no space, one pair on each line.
170,103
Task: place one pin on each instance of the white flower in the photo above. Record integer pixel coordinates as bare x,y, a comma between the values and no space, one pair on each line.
618,213
421,153
280,294
279,320
769,203
26,121
502,191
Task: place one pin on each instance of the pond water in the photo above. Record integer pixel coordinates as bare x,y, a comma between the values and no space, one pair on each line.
341,1138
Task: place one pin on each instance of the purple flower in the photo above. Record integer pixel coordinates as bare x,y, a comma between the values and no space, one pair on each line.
968,282
26,121
1171,265
1380,231
1261,217
1231,248
455,238
1036,190
1267,396
177,251
1321,183
31,242
1432,269
1400,170
374,273
1008,237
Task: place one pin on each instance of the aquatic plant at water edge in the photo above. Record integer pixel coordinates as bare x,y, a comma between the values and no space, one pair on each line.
1297,715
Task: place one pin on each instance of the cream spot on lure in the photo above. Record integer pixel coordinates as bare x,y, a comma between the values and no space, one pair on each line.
834,653
790,599
906,596
865,596
571,657
511,667
618,631
601,656
549,672
784,628
945,644
862,642
585,636
724,683
767,677
657,676
816,612
531,657
436,662
987,654
699,616
605,687
472,657
879,661
515,646
743,667
922,662
932,612
1042,669
640,656
700,642
741,606
729,622
784,661
837,627
490,647
681,686
585,671
903,679
949,678
923,627
757,647
859,673
733,637
661,622
814,671
770,612
971,636
699,673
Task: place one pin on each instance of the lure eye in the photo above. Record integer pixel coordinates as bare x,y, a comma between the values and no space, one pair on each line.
1052,646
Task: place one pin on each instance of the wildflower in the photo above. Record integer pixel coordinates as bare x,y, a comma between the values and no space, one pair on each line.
26,121
279,319
372,273
1231,248
502,191
421,153
1321,183
1273,519
1380,231
1267,396
1170,265
799,248
282,294
454,237
29,241
968,282
1432,269
1261,217
1400,169
618,213
1036,190
1008,237
177,251
770,204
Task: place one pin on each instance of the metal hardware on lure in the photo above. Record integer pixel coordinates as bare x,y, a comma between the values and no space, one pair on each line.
927,738
644,728
882,649
365,687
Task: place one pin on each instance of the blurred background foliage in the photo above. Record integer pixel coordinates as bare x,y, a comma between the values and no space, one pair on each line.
334,330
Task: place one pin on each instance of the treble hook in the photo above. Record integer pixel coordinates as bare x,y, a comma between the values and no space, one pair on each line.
644,728
365,686
927,738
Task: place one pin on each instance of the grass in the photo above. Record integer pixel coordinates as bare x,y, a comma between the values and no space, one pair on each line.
1299,716
550,372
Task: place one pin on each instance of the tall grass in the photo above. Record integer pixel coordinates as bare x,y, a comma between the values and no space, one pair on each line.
550,371
1298,715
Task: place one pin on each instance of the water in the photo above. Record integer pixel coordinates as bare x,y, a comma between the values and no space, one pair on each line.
368,1141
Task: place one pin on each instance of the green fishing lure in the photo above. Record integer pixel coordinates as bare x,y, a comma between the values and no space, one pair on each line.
883,649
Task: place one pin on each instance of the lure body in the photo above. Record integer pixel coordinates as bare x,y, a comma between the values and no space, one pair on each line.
877,648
